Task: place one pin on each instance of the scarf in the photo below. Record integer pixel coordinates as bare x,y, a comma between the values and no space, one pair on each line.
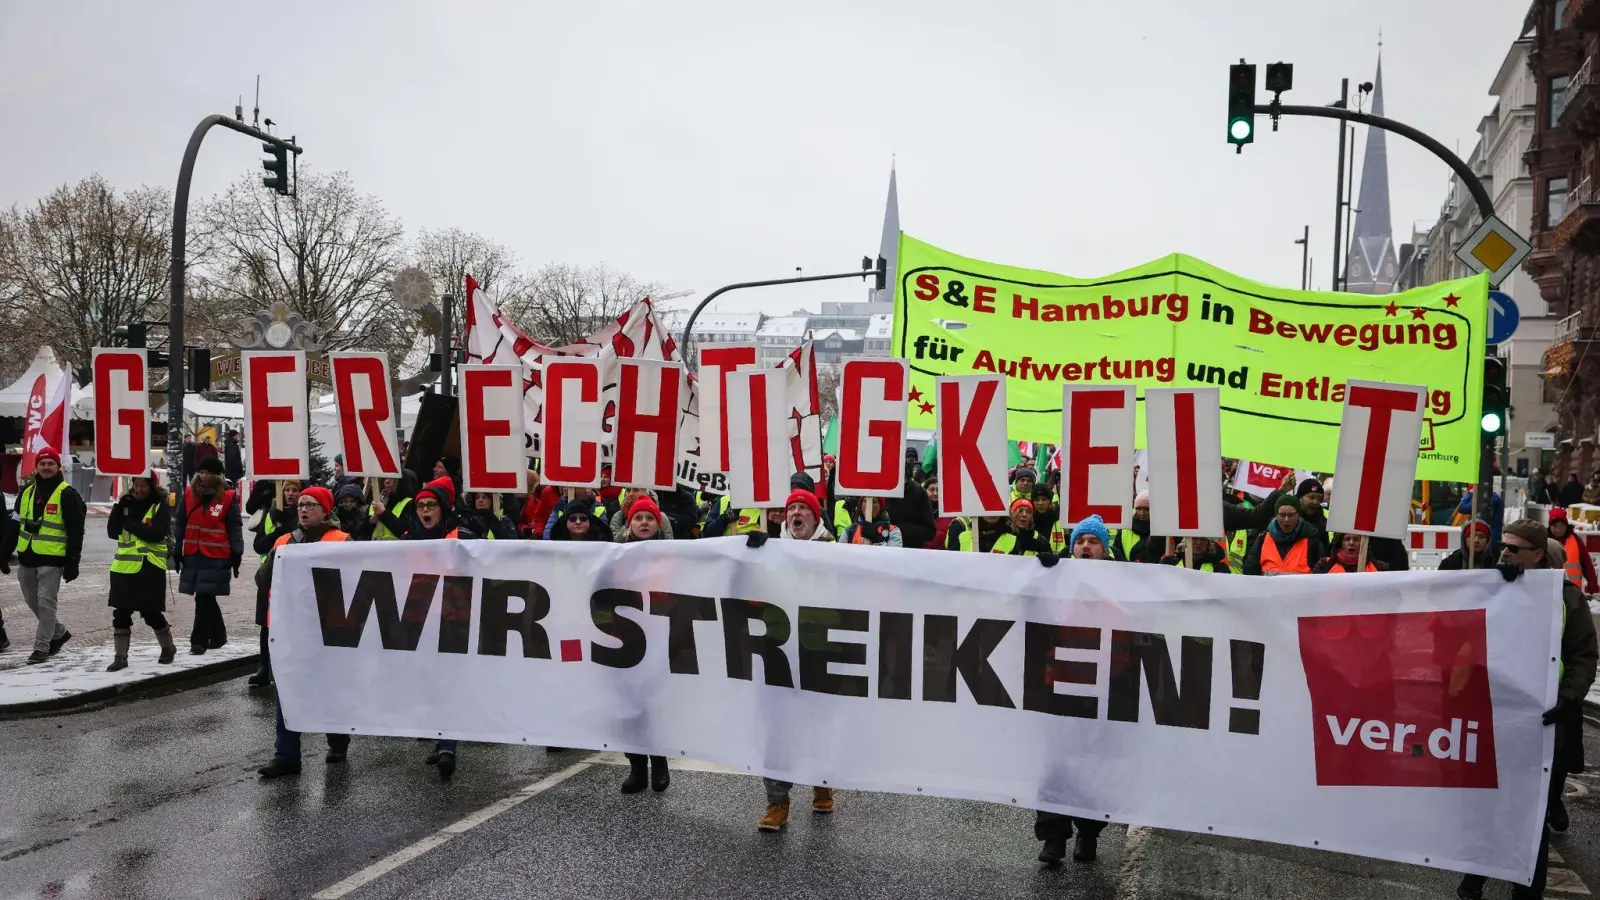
1347,558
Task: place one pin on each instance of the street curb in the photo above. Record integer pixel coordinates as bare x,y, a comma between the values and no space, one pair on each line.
132,689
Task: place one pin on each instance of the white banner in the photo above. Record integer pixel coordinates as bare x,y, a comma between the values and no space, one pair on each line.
1394,715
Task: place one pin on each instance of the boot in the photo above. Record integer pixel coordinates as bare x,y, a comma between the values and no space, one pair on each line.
261,678
5,641
775,818
639,777
447,765
822,800
169,650
278,767
1559,820
56,643
432,759
1085,847
120,638
659,776
1471,887
1054,851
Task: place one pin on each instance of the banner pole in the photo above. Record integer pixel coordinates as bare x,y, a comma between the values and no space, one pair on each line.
1361,555
1188,553
1466,550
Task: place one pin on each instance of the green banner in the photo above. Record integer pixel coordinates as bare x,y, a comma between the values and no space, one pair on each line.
1279,356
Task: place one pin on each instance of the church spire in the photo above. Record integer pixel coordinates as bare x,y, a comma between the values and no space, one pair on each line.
1370,263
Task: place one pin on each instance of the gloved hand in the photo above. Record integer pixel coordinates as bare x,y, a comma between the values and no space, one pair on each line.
1562,710
69,572
875,533
237,560
177,563
1048,559
1170,559
1509,571
755,539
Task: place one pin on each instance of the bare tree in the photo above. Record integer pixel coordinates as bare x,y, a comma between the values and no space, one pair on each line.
79,263
828,380
450,255
327,253
563,304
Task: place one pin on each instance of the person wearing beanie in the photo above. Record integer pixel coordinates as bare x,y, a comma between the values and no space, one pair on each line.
275,523
1579,566
49,545
1135,543
1527,544
1090,541
1346,556
210,546
1474,539
389,515
1025,540
941,524
1494,515
802,521
993,535
479,515
1289,546
1023,479
641,521
1047,518
620,524
595,509
723,519
913,514
313,524
140,524
875,529
350,509
579,520
1209,555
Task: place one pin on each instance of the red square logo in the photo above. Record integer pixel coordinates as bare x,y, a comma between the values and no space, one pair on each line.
1400,700
571,650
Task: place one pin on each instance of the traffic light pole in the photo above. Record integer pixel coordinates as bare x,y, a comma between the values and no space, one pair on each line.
686,342
180,233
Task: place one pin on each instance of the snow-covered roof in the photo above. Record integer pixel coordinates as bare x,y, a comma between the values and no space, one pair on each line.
881,327
727,323
784,326
844,334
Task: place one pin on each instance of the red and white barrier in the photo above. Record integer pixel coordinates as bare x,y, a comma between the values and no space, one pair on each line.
1430,544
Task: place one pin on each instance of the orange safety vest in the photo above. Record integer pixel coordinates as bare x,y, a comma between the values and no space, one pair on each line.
333,535
1574,564
1339,567
205,529
1296,562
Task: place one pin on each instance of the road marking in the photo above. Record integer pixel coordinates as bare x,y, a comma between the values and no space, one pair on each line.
449,832
1130,878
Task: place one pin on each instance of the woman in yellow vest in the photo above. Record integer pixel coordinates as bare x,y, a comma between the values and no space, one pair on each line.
1209,556
1289,546
389,515
1346,557
139,523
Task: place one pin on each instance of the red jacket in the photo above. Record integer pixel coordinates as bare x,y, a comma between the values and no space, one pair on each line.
530,525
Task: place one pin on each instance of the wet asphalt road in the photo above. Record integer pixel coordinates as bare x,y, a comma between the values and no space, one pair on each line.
158,798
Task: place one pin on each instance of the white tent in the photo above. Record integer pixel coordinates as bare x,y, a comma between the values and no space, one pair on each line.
14,399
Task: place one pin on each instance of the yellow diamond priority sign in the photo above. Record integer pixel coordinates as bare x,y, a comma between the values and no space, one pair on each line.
1495,249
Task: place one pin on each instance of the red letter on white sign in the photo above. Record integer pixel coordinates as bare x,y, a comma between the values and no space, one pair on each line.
872,428
493,458
647,424
1183,427
971,419
572,423
1379,437
121,412
715,365
758,443
275,414
366,414
1097,454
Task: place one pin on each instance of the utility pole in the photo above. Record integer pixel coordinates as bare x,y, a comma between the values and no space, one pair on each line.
447,356
1305,258
180,232
879,270
1338,194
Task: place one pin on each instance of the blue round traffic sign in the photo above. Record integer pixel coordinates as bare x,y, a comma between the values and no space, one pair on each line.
1503,317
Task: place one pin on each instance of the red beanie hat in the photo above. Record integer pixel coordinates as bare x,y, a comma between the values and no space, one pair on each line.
808,498
442,489
1558,514
47,453
643,503
1021,501
322,495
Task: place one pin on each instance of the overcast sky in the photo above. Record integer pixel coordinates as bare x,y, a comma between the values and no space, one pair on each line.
700,143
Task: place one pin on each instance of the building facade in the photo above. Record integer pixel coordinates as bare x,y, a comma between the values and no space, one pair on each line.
1564,39
840,332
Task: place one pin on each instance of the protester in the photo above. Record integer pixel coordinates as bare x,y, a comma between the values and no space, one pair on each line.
341,478
1047,516
1025,541
610,495
993,535
313,508
1346,557
1579,567
1475,537
389,515
1571,493
210,544
1591,491
206,449
1527,545
592,508
350,509
722,519
1495,514
621,524
232,458
802,521
448,467
879,531
578,520
8,544
1023,479
941,524
644,523
1288,546
1089,540
1311,510
1134,543
49,546
1538,491
275,522
912,513
1209,556
536,509
438,519
914,469
140,524
480,516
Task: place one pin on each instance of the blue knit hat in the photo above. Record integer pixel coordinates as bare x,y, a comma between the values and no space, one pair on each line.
1092,525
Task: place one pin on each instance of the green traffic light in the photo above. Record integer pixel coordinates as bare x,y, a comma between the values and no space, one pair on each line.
1491,423
1239,129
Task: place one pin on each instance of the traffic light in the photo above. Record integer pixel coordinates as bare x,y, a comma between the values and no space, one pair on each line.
130,335
1241,105
1496,399
277,167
